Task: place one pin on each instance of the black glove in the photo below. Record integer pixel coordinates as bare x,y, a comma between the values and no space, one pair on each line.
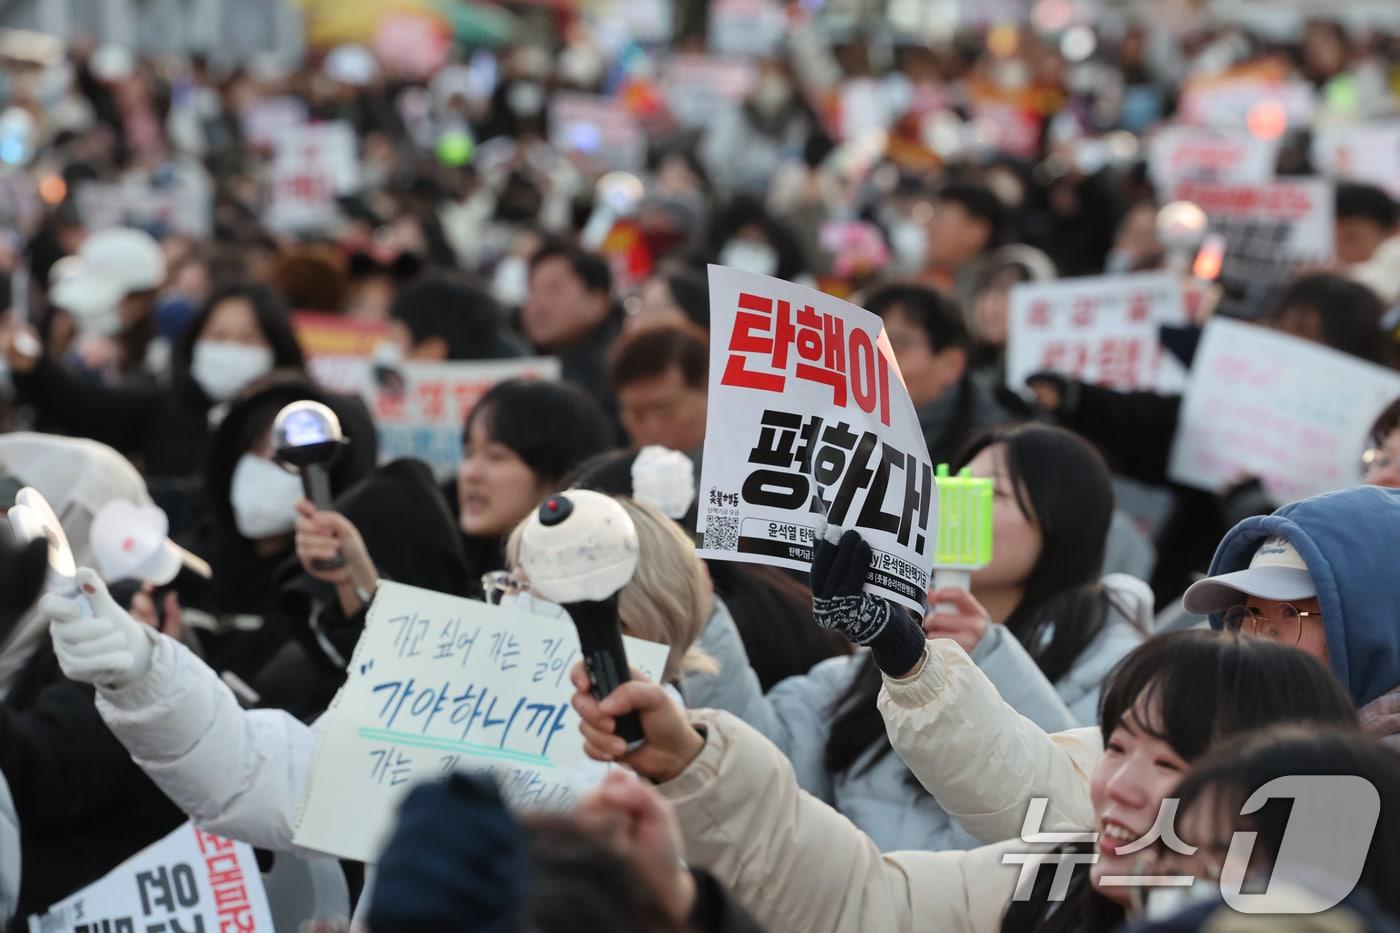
838,573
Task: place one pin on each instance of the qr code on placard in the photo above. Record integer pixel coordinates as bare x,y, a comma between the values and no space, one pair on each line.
722,532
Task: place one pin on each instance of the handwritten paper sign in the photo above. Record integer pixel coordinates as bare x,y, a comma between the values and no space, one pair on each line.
809,417
439,684
1233,156
190,880
1102,329
1293,413
311,167
1365,152
1269,230
598,130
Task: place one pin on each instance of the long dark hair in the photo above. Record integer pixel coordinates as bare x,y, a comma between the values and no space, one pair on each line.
273,319
552,426
1227,777
1062,484
1191,690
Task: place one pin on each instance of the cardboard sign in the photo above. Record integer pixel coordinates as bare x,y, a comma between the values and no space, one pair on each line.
1293,413
1366,152
698,88
190,880
808,418
1231,156
1102,330
599,130
1269,230
312,166
439,684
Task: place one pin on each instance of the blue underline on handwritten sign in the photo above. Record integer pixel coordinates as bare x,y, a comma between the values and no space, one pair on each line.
452,745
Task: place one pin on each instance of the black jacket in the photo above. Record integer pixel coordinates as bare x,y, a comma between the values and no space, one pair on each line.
83,805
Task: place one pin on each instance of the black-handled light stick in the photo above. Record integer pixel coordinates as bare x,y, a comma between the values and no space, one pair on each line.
579,550
306,439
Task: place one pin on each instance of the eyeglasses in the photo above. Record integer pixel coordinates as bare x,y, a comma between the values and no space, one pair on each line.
498,584
1283,625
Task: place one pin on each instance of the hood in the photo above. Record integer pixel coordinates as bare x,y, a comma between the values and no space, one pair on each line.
253,414
1350,541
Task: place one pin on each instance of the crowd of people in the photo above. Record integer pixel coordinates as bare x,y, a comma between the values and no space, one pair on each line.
815,757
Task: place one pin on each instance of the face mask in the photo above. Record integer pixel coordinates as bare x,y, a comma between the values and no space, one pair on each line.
748,256
511,281
909,240
264,498
222,368
525,98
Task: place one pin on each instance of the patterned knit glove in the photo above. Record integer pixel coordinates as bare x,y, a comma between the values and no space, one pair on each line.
838,574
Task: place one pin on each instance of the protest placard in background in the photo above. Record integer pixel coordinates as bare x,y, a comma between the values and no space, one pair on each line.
312,165
809,417
746,27
268,119
1180,153
439,684
1293,413
189,880
1269,229
698,88
1103,330
597,130
1365,152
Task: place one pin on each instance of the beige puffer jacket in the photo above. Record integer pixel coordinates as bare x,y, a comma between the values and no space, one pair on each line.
798,865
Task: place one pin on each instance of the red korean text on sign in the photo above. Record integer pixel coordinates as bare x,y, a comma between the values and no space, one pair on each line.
850,364
231,902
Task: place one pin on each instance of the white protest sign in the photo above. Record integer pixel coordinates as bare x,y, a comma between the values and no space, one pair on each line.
698,88
1269,230
1293,413
809,417
1177,153
312,166
1100,329
190,880
420,408
439,684
746,27
599,130
1230,102
1366,152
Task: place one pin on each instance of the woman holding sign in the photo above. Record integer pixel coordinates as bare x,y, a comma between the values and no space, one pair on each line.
1039,623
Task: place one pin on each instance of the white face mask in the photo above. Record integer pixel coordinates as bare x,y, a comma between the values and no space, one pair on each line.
525,98
264,498
511,281
909,240
749,256
222,368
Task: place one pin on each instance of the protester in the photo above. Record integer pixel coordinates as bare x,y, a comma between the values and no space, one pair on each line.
437,318
458,853
1366,218
1211,809
967,223
242,333
675,297
932,345
570,312
1380,463
520,441
660,376
1038,622
795,863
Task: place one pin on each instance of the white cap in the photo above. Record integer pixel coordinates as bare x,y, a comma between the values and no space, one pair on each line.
75,288
111,62
128,258
1277,571
129,542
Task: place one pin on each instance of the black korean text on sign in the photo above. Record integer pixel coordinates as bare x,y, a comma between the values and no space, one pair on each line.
850,364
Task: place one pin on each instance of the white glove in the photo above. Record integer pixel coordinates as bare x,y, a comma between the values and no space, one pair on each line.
104,646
